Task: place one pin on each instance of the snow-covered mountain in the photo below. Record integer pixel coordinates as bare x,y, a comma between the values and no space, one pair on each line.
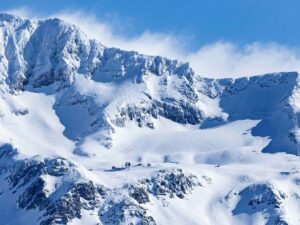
97,135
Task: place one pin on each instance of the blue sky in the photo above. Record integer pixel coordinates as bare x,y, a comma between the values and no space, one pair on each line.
224,37
204,21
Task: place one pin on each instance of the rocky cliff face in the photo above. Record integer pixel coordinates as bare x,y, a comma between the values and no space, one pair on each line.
52,52
126,86
59,191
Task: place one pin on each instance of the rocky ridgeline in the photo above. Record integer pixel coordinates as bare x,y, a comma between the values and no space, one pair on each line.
128,86
263,198
124,212
56,188
52,52
170,183
28,179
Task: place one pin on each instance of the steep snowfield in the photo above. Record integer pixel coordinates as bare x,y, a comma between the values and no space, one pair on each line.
201,151
39,131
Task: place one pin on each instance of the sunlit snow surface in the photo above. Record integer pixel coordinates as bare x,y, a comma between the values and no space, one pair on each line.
170,144
101,107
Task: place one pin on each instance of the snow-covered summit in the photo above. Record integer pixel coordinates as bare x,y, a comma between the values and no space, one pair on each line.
116,137
40,52
53,50
109,87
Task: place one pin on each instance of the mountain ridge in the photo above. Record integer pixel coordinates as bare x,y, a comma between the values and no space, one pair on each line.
97,135
74,54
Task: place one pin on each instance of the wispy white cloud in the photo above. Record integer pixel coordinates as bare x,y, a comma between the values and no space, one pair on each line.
220,59
226,59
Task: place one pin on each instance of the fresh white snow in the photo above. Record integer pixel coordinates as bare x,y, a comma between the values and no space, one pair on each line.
100,108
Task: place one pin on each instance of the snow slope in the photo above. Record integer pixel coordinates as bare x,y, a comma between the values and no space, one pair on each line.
201,151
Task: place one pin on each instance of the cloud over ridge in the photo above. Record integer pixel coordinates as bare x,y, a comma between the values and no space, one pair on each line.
218,59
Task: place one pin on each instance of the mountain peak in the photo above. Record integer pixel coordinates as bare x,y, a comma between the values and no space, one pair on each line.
9,17
98,135
48,51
